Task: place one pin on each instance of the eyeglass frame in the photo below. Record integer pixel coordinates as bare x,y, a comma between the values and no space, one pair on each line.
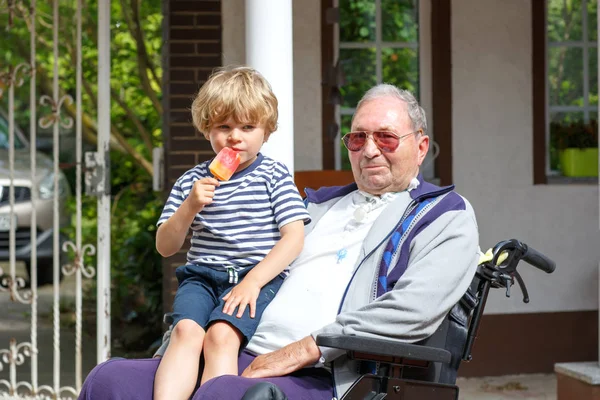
370,134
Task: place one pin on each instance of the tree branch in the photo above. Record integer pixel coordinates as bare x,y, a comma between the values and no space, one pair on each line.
130,150
142,58
117,140
142,131
146,137
139,35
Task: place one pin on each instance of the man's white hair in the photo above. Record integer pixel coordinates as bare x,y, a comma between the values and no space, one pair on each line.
415,111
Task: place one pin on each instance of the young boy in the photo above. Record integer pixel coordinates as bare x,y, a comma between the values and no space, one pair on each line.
245,232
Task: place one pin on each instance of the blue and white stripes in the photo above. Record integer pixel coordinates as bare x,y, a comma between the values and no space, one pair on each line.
242,223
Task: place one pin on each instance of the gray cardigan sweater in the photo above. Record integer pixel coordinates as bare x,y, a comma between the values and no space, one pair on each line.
416,263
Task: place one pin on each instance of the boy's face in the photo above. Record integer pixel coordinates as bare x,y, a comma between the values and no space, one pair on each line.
245,138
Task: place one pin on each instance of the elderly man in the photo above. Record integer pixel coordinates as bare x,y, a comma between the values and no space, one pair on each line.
385,257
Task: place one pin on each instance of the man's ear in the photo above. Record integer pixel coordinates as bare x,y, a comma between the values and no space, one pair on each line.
423,147
266,138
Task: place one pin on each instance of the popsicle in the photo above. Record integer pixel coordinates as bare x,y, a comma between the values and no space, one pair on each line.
225,164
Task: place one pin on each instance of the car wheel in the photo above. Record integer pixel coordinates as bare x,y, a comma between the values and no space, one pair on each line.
45,268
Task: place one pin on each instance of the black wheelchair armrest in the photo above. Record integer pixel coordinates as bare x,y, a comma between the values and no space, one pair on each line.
382,347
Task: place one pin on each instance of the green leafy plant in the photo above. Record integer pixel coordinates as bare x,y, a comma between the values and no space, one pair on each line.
136,266
136,110
576,134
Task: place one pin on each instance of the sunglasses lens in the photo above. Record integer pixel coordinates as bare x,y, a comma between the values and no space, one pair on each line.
355,141
386,141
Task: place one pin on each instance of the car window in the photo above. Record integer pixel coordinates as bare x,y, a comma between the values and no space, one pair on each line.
4,135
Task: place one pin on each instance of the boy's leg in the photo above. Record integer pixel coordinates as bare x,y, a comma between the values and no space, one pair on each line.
227,333
177,374
221,349
178,370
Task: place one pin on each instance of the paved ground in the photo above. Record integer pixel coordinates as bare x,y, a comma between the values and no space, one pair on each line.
537,386
15,323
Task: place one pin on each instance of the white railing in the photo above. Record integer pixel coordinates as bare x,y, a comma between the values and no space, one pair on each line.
12,78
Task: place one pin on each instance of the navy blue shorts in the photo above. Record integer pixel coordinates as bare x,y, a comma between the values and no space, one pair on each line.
200,294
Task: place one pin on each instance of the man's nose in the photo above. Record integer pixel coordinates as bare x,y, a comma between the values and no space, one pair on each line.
371,150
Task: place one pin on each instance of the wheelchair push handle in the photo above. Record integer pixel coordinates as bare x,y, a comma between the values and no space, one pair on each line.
508,253
501,271
538,260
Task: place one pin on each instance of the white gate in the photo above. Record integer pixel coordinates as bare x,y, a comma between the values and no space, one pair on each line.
21,194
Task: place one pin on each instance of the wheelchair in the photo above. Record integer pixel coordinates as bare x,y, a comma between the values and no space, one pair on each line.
427,370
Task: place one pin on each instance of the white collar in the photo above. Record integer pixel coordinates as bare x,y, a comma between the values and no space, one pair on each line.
388,196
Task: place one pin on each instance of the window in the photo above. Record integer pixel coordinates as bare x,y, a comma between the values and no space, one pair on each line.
379,41
571,62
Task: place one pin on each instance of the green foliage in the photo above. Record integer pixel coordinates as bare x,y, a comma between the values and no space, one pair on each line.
566,79
399,65
566,61
135,121
576,134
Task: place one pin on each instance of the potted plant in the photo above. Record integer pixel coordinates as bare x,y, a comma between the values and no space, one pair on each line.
577,144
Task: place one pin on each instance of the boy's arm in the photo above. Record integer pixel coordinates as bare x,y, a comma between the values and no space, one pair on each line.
171,234
280,256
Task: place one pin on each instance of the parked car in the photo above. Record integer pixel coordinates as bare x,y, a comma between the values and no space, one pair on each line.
43,183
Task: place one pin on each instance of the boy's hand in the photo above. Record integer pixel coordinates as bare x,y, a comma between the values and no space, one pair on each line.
202,193
243,294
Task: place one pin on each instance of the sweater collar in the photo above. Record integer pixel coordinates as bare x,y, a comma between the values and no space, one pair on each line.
424,190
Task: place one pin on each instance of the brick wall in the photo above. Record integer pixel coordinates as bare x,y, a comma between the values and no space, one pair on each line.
192,49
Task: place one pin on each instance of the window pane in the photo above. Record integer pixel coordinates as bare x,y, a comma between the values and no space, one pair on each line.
564,20
346,121
357,20
401,68
565,76
592,7
593,54
562,118
400,20
566,117
358,66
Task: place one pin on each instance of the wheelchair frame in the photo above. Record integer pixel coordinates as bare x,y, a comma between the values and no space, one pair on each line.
427,370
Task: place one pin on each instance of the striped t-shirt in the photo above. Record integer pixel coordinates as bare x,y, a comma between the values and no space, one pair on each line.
241,225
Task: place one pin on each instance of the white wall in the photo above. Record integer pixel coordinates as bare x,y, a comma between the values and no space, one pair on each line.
493,165
307,72
492,144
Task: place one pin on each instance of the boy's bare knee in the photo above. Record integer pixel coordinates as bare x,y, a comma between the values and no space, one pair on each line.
187,331
222,334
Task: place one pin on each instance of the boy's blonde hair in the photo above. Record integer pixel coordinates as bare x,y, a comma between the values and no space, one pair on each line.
238,92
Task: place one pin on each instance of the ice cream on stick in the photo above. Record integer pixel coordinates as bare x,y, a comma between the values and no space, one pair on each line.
225,164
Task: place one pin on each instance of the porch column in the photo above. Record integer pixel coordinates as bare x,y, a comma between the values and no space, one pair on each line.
269,50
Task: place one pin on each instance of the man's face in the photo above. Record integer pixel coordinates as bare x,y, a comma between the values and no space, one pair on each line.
377,172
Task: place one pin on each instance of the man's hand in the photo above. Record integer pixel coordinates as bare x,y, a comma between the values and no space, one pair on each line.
202,193
284,361
243,294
